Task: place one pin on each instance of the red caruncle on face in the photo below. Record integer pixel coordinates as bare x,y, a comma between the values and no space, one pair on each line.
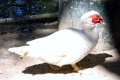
96,18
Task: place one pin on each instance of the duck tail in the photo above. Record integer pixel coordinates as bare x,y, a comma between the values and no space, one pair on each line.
23,51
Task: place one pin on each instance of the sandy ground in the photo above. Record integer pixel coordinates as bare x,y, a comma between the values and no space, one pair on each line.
97,65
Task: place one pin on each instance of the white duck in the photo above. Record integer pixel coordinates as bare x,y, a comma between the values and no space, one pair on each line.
66,46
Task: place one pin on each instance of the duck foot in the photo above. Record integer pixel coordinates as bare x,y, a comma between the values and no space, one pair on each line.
54,67
76,68
24,53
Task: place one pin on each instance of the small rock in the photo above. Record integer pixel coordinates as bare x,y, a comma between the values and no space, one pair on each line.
1,72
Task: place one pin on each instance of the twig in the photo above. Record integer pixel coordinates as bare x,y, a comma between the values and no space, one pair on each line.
32,17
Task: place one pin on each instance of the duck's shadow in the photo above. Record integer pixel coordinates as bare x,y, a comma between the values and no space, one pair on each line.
88,62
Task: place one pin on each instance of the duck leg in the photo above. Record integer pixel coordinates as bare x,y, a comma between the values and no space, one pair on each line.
23,52
54,67
76,68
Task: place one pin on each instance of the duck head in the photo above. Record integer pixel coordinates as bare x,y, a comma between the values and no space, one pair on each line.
91,18
95,17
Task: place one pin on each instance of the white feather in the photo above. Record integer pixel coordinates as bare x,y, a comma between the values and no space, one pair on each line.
66,46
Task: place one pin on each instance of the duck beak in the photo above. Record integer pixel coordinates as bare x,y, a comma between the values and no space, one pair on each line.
101,22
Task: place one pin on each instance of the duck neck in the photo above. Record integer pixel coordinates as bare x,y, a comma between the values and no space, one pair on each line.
92,34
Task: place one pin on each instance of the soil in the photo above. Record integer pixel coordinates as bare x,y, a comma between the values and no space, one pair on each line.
98,65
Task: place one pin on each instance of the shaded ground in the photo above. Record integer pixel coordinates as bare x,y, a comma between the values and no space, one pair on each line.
97,65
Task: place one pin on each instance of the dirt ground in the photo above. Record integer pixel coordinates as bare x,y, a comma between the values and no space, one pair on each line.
100,65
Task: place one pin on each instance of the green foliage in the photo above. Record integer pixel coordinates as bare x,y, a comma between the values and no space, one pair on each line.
19,8
47,6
